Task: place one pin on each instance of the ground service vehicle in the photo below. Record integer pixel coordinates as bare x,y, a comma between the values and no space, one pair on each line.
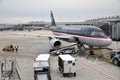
66,65
66,51
41,67
115,57
112,56
70,49
8,48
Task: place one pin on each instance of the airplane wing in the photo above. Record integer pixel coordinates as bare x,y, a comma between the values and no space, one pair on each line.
37,35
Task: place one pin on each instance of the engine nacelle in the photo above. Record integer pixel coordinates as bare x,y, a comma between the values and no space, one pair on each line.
55,42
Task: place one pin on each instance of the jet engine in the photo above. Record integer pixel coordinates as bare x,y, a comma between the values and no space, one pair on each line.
54,42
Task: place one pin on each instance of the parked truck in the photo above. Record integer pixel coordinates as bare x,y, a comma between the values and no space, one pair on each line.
41,67
66,65
115,57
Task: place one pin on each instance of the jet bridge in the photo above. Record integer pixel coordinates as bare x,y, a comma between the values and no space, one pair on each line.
115,30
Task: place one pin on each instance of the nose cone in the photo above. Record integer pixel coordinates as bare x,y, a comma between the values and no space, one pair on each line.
102,42
106,42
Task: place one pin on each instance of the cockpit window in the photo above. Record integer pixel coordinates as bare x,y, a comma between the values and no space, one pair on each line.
98,34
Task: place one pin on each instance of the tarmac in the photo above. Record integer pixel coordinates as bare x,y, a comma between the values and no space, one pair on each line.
31,46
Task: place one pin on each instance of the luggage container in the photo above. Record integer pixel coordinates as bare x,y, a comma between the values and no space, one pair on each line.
41,67
66,65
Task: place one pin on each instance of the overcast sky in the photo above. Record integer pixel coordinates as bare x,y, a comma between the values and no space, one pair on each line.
22,11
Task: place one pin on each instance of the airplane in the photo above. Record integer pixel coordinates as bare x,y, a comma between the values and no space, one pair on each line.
82,34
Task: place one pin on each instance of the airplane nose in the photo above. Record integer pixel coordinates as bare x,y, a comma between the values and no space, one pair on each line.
104,42
107,42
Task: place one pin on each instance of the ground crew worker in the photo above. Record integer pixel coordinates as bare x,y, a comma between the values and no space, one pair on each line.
16,48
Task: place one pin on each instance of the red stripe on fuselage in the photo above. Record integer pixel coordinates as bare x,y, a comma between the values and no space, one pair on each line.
105,38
